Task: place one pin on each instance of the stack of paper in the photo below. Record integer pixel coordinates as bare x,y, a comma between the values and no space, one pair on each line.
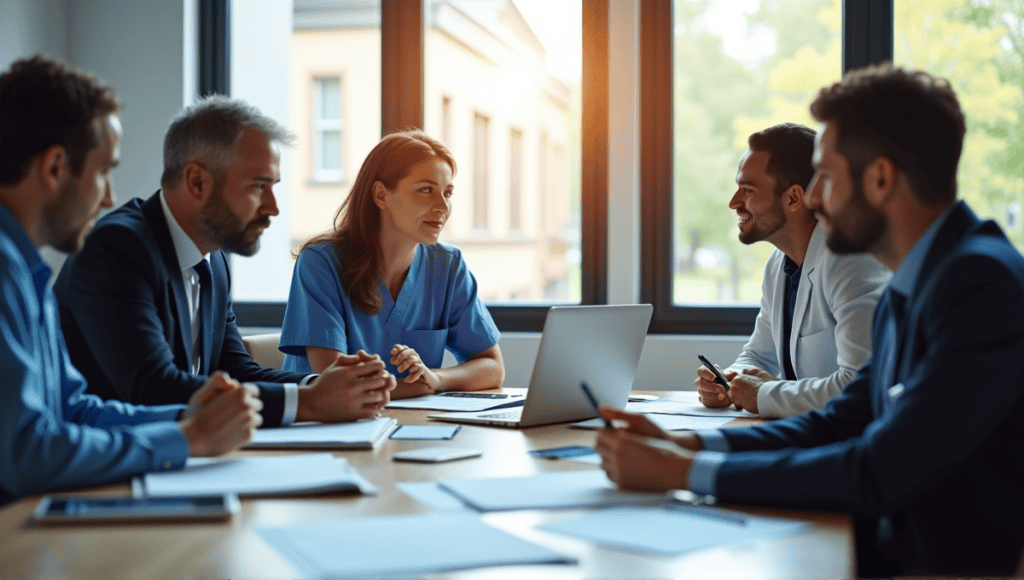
287,475
358,435
574,489
402,546
672,531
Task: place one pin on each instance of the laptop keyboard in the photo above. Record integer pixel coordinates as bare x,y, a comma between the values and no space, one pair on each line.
506,415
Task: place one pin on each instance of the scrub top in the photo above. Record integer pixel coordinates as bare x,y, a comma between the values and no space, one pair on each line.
437,308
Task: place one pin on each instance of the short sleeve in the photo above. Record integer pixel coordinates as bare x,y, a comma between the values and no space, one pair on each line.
471,328
314,315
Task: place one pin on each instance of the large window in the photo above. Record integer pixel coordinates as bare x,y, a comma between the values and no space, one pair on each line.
507,76
714,72
979,46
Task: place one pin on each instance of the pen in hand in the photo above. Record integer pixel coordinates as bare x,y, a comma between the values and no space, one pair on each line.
593,401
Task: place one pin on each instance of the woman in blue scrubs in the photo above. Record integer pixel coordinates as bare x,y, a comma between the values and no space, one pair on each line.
380,282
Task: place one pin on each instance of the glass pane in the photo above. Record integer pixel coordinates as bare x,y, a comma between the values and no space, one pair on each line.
331,147
738,67
982,54
290,59
502,89
330,98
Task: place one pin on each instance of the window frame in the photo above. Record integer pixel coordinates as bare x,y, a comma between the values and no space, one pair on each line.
867,33
402,104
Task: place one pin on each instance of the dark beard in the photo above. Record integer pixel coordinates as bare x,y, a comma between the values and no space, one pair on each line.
869,226
221,226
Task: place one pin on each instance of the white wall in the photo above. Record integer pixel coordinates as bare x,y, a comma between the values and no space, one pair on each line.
147,49
142,47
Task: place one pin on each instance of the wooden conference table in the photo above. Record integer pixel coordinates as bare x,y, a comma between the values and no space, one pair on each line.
233,549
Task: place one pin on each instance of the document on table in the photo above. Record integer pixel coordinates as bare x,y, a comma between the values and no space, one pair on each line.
666,422
248,476
460,401
573,489
358,547
685,403
672,531
365,434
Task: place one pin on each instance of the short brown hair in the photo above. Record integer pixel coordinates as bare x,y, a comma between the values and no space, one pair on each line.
911,117
44,102
790,147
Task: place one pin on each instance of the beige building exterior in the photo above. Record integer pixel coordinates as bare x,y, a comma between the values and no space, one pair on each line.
488,95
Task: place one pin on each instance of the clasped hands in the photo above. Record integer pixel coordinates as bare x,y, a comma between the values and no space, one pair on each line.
743,388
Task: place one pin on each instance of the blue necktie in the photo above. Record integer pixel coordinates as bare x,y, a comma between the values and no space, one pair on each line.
888,351
199,343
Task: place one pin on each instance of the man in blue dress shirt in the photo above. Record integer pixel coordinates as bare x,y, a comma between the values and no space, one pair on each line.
923,448
61,138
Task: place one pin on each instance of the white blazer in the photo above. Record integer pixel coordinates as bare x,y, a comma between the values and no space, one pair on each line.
831,336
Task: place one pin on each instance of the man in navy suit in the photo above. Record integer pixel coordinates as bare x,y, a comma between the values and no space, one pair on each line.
145,306
924,447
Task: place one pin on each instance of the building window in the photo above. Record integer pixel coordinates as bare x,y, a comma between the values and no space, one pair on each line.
481,176
515,180
327,129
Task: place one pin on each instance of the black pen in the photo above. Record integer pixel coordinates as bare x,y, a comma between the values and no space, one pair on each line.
593,401
719,377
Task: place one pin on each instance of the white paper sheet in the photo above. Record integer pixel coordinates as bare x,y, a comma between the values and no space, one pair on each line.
285,475
666,422
458,404
670,532
402,546
431,495
357,435
685,403
572,489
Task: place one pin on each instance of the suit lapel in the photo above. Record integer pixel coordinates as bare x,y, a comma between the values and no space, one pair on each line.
804,291
154,214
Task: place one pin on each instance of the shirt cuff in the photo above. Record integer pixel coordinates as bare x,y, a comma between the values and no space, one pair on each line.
291,401
166,442
308,379
713,440
704,472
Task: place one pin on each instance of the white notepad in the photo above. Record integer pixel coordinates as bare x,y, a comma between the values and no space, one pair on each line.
402,546
248,476
365,434
573,489
670,532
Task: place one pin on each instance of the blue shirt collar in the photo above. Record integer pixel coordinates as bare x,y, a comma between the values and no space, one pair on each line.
17,234
909,270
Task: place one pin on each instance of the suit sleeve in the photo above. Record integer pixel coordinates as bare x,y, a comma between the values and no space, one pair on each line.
852,286
973,320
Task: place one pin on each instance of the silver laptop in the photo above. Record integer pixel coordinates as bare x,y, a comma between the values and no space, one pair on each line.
596,345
